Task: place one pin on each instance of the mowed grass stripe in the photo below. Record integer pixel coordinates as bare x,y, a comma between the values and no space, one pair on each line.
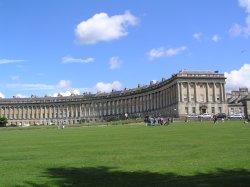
183,149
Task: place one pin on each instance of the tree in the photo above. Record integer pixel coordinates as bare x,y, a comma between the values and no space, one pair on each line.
3,121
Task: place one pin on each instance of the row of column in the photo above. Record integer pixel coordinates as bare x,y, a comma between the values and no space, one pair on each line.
31,112
220,92
140,103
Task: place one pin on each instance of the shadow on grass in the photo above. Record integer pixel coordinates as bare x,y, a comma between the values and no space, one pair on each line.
105,176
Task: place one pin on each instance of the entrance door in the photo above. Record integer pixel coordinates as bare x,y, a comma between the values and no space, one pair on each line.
203,110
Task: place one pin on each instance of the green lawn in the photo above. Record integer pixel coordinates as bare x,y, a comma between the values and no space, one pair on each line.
181,154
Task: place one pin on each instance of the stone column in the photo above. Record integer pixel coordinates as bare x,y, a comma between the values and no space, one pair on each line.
207,96
23,112
221,92
214,92
154,101
158,95
180,91
195,92
188,92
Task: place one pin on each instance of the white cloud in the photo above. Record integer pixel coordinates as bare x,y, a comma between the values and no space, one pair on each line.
161,52
2,95
70,60
245,4
238,78
236,29
68,93
175,51
102,27
63,84
63,87
115,63
216,38
20,96
107,87
156,53
9,61
197,36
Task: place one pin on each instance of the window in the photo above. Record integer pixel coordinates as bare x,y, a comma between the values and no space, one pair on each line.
193,110
232,110
213,110
186,110
220,109
218,98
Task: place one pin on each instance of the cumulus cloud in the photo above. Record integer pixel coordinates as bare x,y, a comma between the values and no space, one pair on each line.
216,38
156,53
107,87
245,4
175,51
63,87
197,35
68,93
63,84
236,29
20,96
2,95
161,52
102,27
9,61
70,60
115,63
238,78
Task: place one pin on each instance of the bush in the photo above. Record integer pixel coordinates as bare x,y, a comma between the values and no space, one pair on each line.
3,121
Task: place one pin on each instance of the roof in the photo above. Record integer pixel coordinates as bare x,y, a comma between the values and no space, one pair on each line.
197,72
246,98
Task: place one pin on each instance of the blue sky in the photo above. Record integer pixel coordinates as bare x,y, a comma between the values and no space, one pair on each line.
64,46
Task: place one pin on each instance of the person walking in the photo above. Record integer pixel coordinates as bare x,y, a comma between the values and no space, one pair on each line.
215,119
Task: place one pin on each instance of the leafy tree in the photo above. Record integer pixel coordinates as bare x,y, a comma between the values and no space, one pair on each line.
3,121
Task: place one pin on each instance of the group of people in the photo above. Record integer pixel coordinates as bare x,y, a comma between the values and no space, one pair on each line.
157,121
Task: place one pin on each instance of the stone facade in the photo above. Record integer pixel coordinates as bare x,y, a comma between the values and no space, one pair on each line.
184,93
236,102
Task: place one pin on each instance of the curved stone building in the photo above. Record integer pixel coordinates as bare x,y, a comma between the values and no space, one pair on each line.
184,93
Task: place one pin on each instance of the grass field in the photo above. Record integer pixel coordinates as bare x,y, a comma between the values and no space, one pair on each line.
182,154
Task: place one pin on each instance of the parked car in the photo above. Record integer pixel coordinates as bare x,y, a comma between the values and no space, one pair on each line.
192,116
205,116
236,116
221,116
